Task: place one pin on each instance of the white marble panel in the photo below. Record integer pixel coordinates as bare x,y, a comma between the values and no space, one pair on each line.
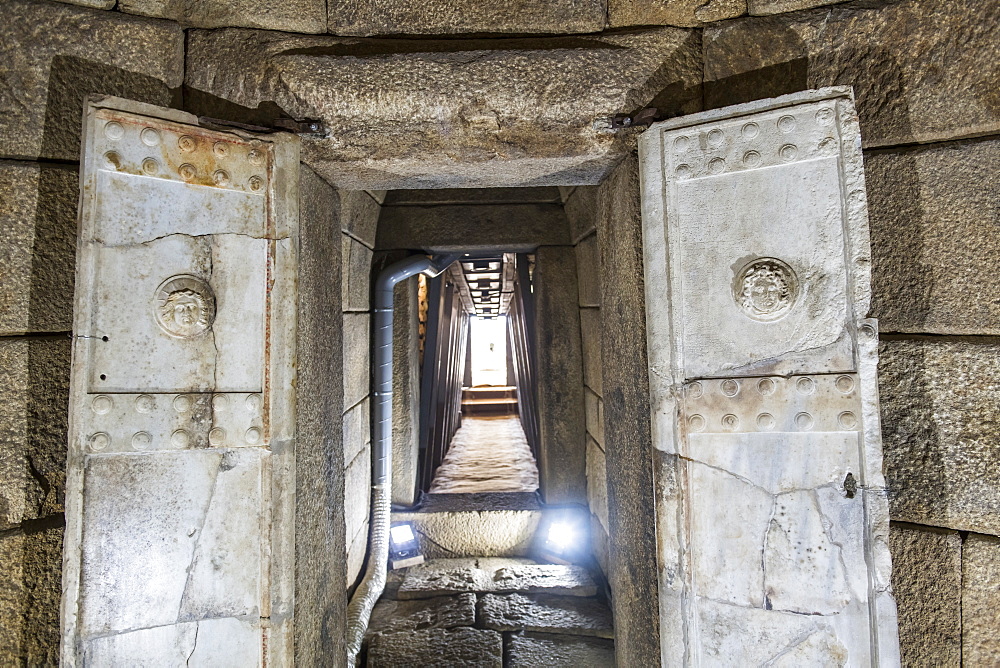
772,514
132,351
209,643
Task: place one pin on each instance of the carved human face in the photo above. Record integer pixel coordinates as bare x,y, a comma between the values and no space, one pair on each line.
184,308
766,292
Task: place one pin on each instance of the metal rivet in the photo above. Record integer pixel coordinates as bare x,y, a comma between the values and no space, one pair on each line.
150,166
141,440
220,177
221,149
187,171
217,436
186,143
253,435
182,403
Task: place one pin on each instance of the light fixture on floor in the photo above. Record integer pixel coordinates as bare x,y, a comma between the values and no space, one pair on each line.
564,535
404,549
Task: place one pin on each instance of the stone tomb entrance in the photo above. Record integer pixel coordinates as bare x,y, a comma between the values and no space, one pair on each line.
771,516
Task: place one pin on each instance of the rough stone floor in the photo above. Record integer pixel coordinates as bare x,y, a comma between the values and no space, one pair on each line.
490,612
487,454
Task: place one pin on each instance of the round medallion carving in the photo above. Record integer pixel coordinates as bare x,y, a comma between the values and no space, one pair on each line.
184,306
765,289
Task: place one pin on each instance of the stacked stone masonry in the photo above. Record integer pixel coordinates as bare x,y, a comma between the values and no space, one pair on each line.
924,74
491,612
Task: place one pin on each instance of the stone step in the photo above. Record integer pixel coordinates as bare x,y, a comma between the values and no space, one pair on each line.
570,615
439,648
533,650
500,524
443,577
439,612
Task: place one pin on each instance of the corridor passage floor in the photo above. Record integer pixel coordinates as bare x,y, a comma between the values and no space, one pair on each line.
487,454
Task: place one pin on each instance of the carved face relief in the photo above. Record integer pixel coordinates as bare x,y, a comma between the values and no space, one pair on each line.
184,306
765,289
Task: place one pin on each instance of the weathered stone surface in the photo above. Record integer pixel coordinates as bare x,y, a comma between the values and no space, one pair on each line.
307,16
927,585
588,258
442,612
765,7
320,605
597,482
96,4
357,259
684,13
34,391
357,430
357,377
599,543
981,600
535,650
356,555
443,577
405,393
454,113
547,614
474,532
934,241
357,491
592,331
438,17
436,647
921,70
482,196
624,368
582,211
56,55
29,597
359,214
940,418
457,227
559,377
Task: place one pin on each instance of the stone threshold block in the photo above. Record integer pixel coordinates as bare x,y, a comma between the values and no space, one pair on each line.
437,647
443,577
453,113
533,650
391,616
572,615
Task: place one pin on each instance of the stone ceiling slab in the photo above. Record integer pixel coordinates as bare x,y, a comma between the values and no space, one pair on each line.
454,113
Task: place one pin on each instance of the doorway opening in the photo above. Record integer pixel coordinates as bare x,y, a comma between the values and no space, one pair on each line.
475,439
489,452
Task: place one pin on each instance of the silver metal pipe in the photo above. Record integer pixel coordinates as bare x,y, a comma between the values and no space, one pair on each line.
373,583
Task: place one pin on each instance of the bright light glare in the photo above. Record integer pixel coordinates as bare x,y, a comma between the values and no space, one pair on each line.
561,535
401,533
